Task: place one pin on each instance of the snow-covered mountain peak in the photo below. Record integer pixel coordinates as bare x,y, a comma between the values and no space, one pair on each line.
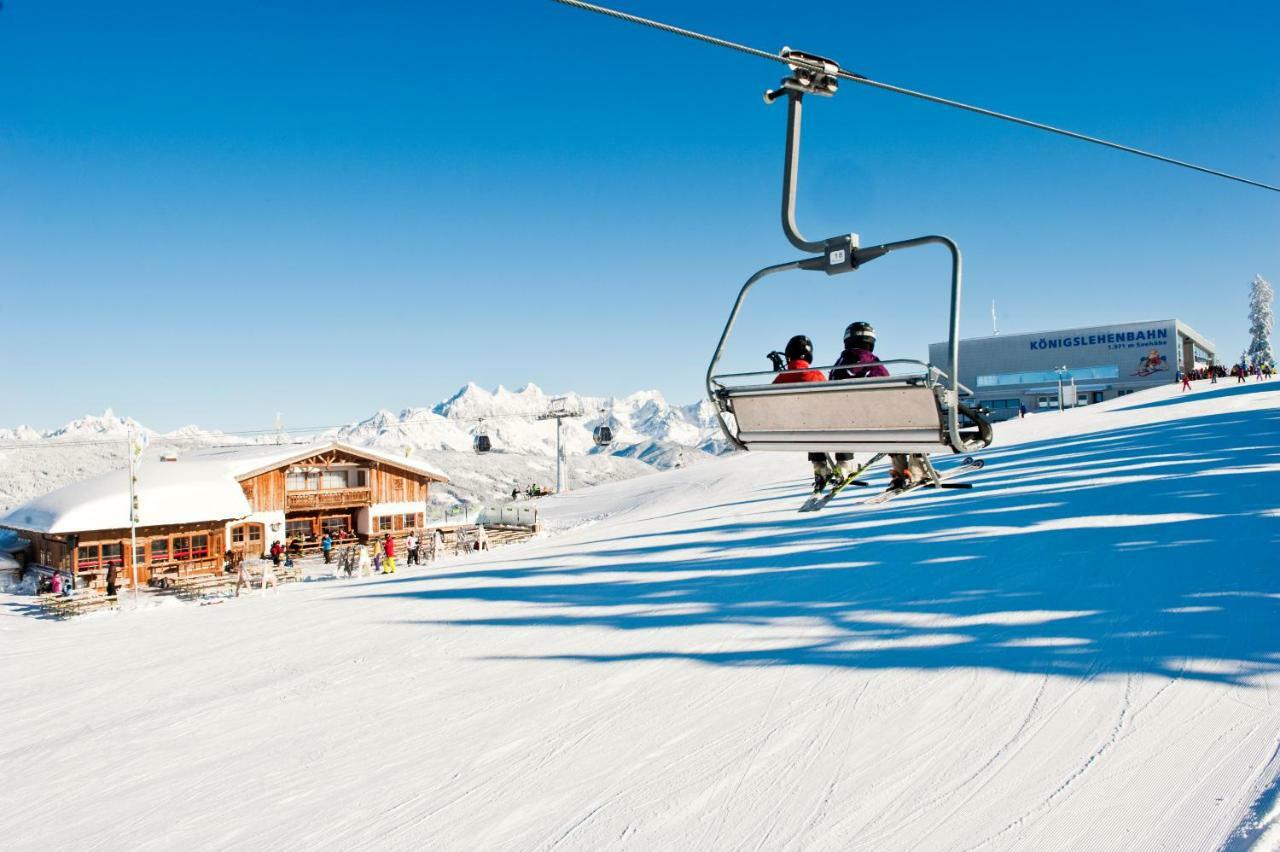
94,426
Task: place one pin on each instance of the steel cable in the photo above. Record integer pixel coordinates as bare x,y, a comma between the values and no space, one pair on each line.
924,96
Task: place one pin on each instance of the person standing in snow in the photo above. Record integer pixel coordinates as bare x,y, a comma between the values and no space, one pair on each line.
411,548
1186,381
55,584
326,547
859,361
793,366
269,577
277,549
389,555
242,576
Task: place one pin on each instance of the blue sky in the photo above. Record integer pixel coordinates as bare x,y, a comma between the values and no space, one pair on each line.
216,211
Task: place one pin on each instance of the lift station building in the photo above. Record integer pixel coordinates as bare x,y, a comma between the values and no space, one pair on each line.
1005,371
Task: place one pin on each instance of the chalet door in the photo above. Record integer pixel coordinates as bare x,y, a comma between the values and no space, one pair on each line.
246,540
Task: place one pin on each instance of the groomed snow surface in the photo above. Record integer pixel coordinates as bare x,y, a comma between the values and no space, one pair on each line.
1080,652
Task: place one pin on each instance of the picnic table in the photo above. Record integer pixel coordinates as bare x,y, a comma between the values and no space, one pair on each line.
201,586
77,603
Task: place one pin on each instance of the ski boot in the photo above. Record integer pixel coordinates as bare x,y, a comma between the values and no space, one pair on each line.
822,475
899,480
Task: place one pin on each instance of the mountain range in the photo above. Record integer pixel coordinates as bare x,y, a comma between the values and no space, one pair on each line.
649,433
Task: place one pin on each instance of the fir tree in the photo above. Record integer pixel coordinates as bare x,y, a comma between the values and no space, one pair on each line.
1260,322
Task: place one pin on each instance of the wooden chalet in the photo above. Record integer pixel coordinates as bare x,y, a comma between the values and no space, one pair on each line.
195,507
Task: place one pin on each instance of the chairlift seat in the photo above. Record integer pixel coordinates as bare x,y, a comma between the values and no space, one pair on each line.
897,414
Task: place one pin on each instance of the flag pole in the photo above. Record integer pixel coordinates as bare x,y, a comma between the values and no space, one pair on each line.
137,443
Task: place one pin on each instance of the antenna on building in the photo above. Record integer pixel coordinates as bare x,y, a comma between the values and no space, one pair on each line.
995,327
279,428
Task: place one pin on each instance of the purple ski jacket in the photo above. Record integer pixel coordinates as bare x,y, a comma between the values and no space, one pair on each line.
858,356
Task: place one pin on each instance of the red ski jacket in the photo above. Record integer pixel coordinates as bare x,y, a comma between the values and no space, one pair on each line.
807,376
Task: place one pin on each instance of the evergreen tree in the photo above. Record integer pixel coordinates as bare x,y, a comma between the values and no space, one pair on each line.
1260,322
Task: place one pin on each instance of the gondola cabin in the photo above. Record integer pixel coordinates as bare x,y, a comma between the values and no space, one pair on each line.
602,435
482,444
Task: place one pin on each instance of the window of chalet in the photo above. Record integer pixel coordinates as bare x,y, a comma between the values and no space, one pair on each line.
297,529
359,479
140,555
333,524
159,550
333,479
411,521
255,533
302,480
237,535
384,523
181,547
200,547
113,556
87,556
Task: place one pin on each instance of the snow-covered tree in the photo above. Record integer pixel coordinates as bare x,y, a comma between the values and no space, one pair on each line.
1260,322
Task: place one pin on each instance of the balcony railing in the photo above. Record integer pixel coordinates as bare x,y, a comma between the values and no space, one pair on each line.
331,499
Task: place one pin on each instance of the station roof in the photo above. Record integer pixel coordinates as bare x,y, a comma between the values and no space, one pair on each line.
1182,328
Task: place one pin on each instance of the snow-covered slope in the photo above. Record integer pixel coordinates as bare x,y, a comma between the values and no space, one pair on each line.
1078,653
649,434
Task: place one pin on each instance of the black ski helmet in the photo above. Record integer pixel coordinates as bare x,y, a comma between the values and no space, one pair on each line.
860,335
799,348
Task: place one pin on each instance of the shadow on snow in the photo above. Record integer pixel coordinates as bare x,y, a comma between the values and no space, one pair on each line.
1146,549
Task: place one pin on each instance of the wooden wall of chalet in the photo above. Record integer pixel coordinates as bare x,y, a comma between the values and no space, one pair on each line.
265,492
387,484
160,550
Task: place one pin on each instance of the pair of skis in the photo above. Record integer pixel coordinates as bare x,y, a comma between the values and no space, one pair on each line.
822,498
935,480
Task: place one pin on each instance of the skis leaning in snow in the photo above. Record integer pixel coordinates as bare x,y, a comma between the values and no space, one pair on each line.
822,498
969,465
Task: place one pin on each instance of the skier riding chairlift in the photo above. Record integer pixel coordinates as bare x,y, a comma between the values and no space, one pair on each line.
859,350
792,366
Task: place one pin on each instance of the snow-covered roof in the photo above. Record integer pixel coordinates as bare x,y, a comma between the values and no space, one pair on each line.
201,485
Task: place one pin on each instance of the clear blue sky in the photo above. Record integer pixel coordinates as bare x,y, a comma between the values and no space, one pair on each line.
215,211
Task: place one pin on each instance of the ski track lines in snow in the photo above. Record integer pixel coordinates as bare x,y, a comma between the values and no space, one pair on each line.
1079,652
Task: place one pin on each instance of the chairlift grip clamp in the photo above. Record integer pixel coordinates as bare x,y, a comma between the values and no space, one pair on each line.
810,75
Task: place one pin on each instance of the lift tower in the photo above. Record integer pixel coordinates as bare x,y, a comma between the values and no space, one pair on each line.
559,410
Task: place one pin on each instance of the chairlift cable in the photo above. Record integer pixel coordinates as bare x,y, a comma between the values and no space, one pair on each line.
924,96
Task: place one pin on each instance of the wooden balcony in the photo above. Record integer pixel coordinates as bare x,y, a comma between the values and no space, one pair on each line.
333,499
